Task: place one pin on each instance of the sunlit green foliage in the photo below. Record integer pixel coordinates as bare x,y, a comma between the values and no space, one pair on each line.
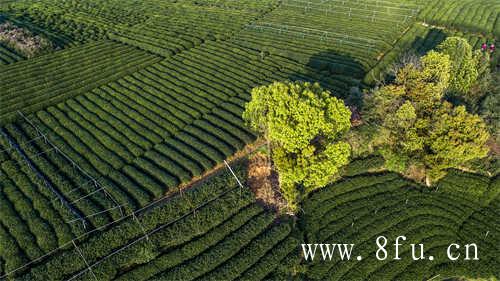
303,124
418,129
464,65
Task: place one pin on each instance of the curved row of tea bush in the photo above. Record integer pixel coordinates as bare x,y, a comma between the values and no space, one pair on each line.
189,236
360,209
352,48
481,17
418,40
34,84
8,56
182,28
38,205
70,22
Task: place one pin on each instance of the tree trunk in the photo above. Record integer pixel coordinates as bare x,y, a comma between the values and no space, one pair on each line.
427,181
268,142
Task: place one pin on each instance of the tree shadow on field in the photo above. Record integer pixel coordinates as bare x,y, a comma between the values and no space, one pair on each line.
338,73
422,45
404,52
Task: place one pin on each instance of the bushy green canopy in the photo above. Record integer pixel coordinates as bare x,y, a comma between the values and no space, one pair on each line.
425,84
464,65
417,128
303,124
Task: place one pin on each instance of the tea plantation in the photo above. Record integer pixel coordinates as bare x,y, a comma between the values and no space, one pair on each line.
462,209
112,143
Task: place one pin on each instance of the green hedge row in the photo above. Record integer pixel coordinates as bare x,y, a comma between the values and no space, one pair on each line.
243,134
180,116
104,150
21,205
154,114
480,18
145,137
217,255
162,81
10,252
144,180
355,211
220,144
13,221
344,211
102,125
174,257
64,177
249,255
210,152
282,257
349,185
197,76
191,153
167,35
108,95
170,165
160,95
103,137
27,89
68,262
124,38
174,234
194,88
120,189
167,154
50,212
237,72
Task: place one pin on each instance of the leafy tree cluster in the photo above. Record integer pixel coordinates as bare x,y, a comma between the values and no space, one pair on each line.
416,129
419,132
470,76
303,125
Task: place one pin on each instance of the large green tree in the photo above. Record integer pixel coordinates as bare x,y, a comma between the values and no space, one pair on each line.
417,129
464,64
303,125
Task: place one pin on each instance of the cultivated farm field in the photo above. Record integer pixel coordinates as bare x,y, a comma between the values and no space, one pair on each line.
113,143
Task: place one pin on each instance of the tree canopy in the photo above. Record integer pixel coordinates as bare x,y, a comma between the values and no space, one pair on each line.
303,125
464,65
418,129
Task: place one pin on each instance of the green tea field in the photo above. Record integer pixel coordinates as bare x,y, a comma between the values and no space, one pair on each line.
121,126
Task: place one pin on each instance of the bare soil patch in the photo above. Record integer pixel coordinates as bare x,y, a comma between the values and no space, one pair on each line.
264,183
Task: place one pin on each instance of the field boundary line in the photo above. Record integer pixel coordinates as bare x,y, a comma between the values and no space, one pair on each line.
251,148
146,236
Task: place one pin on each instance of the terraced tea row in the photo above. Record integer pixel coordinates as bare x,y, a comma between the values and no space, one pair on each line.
82,21
468,15
177,127
8,56
36,167
420,39
181,120
360,209
183,28
32,85
351,48
232,238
